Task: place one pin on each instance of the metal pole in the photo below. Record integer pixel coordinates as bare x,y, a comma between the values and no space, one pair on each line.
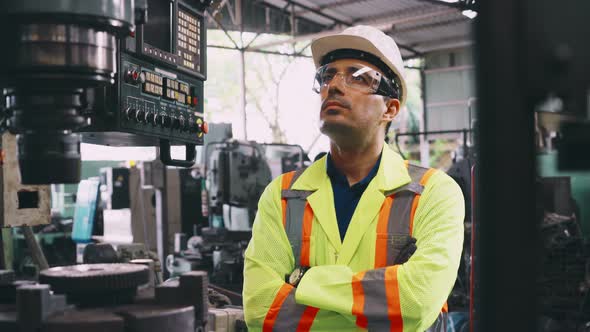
243,92
505,183
424,146
36,252
242,69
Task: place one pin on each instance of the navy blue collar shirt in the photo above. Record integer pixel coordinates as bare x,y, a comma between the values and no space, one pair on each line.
347,197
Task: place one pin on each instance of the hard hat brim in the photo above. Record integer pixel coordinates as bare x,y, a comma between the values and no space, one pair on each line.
324,45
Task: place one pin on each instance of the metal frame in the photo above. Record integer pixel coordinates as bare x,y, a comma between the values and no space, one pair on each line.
505,215
383,21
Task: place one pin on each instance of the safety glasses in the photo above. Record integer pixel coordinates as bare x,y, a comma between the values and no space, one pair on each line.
357,77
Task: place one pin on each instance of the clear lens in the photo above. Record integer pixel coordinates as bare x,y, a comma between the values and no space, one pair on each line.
357,77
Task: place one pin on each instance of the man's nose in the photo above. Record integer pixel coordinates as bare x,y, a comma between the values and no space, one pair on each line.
337,83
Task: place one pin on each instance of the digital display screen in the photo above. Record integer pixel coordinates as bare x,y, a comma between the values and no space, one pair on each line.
158,29
189,40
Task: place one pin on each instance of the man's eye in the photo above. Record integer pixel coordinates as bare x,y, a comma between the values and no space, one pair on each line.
359,79
327,77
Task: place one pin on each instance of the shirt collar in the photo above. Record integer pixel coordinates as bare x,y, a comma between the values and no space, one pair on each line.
336,175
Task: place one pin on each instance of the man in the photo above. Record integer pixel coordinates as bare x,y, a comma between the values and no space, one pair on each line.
358,240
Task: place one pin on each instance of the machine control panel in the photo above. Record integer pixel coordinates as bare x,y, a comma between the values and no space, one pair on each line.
157,102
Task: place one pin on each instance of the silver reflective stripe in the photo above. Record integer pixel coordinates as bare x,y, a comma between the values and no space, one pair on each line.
375,307
294,225
398,226
416,172
414,187
440,324
296,200
289,315
300,194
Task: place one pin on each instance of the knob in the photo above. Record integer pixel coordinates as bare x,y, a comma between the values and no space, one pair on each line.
183,124
130,113
140,116
149,117
165,121
175,123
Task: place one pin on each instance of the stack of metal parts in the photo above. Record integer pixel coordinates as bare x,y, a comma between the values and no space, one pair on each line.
102,297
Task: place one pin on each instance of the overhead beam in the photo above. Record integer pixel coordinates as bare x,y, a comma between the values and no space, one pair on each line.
414,51
330,5
430,25
297,54
318,11
384,24
456,5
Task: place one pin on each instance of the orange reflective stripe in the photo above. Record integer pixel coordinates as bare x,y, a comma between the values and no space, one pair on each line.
358,296
381,240
306,235
394,311
413,211
427,176
445,307
307,319
285,183
273,311
423,182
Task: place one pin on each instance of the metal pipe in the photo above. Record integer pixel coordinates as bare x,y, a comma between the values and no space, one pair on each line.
36,252
455,5
384,24
297,55
434,132
243,92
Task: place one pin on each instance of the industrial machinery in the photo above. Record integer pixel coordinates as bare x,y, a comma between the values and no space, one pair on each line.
112,72
99,297
236,174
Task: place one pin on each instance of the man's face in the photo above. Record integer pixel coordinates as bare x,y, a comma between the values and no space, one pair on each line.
347,113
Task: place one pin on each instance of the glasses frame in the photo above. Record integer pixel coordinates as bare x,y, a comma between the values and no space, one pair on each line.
386,87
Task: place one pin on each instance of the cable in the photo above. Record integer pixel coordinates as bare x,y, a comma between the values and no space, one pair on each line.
398,148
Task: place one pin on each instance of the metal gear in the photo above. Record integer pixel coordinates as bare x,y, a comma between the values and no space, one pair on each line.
96,283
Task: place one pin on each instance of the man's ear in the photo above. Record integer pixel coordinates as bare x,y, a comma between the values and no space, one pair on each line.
393,106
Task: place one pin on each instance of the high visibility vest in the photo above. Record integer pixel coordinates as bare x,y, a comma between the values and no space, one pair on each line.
394,246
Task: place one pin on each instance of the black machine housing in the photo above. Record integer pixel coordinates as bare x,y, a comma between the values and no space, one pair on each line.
157,98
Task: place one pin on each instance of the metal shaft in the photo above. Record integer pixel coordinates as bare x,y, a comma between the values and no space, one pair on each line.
36,252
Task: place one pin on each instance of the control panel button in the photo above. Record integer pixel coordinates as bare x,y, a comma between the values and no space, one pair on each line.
201,127
165,121
133,76
183,123
175,123
130,112
149,117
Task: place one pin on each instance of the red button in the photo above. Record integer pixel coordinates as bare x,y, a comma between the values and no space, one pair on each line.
132,34
194,101
205,127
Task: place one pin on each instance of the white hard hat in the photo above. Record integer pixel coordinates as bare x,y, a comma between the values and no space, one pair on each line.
366,39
